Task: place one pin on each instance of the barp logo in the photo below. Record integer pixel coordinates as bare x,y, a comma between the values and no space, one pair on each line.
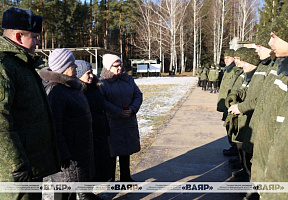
125,187
55,187
200,187
271,187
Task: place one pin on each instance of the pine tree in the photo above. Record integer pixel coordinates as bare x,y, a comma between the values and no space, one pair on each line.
270,10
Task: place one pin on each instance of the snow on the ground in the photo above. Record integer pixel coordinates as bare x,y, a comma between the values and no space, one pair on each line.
163,101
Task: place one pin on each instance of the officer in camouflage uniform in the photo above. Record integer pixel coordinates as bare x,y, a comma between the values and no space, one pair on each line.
269,137
27,140
248,96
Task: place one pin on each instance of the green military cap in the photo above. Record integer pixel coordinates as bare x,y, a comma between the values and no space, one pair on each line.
250,56
279,25
239,52
229,53
263,38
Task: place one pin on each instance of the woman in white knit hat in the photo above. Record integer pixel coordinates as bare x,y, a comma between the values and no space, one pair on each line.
122,101
73,121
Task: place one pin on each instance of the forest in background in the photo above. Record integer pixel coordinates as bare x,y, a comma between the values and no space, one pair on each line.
181,34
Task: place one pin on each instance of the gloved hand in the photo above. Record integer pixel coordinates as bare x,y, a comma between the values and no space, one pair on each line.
231,98
65,164
23,174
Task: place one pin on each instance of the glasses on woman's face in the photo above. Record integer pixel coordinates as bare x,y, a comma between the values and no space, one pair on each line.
118,64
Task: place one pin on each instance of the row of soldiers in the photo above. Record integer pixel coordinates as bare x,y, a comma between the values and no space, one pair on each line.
211,75
253,98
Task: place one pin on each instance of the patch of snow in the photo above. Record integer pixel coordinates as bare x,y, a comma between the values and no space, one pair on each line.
163,101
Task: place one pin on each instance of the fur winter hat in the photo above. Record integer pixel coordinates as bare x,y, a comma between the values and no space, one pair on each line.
250,56
82,67
263,38
109,59
229,53
22,19
60,59
279,25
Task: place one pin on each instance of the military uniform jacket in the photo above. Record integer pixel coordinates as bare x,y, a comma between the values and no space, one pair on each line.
204,74
243,118
270,103
255,87
199,71
213,75
277,164
233,119
228,80
27,131
252,93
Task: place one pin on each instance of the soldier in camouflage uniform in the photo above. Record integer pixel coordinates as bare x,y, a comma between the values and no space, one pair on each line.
272,106
28,140
231,120
227,83
204,77
248,96
249,61
213,77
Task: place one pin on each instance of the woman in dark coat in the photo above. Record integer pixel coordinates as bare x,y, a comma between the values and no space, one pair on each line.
73,121
122,101
100,126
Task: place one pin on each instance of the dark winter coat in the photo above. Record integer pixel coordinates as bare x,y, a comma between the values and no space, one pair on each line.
100,128
271,104
124,134
28,137
73,125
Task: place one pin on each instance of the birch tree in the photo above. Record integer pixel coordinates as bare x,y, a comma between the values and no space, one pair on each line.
144,28
246,18
217,29
171,12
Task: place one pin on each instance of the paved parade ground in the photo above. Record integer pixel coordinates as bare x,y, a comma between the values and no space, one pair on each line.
188,149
